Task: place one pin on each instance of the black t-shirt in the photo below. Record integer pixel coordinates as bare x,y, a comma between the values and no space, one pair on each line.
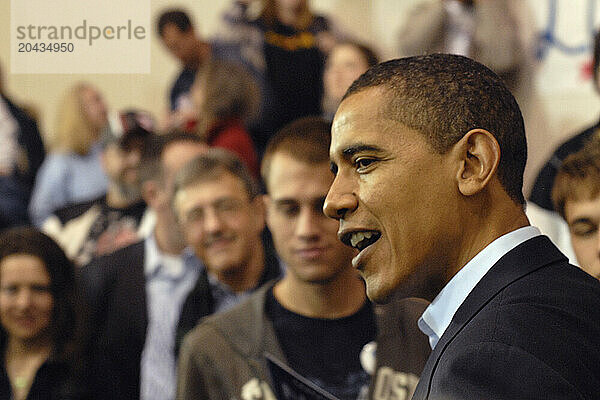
293,75
112,228
326,351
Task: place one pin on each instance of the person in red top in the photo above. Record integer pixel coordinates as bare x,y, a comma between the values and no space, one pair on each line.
226,97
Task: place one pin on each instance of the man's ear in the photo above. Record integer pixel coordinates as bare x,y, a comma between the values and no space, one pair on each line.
266,200
150,193
258,204
479,155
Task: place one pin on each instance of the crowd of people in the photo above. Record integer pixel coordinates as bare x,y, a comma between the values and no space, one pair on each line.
362,223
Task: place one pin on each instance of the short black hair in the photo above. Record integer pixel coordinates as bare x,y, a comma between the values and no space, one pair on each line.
444,96
30,241
177,17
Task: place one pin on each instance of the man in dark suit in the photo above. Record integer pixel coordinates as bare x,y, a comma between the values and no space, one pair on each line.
428,155
123,291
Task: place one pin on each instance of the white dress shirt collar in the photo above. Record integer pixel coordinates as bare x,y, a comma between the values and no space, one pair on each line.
437,317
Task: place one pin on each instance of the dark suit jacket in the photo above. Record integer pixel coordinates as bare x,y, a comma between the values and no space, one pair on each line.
113,288
530,329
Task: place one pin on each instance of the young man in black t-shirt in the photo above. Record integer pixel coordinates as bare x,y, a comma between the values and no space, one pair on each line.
317,318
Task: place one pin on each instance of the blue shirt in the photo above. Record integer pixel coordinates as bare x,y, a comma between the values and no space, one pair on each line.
223,296
169,280
66,178
437,317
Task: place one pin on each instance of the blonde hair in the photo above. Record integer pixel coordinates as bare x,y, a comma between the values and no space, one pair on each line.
74,132
270,15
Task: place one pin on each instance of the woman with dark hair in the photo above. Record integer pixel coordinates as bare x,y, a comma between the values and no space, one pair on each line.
37,316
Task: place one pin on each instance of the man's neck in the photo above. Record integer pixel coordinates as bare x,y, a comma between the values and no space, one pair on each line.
203,55
116,198
288,17
499,222
338,298
248,276
26,348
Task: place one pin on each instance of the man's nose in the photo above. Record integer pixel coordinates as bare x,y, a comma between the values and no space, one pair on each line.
340,200
133,157
24,298
307,225
212,220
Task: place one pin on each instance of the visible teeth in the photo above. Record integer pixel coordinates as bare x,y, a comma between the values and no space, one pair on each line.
356,238
368,235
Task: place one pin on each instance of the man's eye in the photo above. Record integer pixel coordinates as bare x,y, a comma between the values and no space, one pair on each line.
41,288
288,210
583,230
8,289
362,163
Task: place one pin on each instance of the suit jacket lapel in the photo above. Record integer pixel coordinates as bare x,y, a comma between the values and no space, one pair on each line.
529,256
198,304
133,288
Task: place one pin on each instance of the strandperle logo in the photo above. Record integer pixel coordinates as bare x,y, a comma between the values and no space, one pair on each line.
80,36
84,31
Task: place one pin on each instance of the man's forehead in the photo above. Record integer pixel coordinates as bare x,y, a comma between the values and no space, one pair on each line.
303,191
360,133
208,192
175,155
367,107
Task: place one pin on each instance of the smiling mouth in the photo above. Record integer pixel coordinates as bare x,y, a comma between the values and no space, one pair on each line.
360,239
218,242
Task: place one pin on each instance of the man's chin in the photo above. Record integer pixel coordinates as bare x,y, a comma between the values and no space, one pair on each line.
223,268
378,293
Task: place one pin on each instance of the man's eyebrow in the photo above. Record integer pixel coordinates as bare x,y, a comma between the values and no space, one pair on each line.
284,201
582,220
360,147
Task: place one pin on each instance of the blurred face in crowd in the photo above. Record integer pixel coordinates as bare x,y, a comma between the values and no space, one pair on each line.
344,64
393,194
183,45
221,222
121,165
26,303
94,107
305,239
583,217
